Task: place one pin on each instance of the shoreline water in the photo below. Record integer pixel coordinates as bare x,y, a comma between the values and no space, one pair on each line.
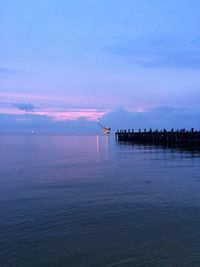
92,201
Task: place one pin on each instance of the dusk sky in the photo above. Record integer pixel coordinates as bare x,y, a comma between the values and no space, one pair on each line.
130,63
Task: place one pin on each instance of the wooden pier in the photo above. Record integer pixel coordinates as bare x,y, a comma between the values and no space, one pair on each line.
162,137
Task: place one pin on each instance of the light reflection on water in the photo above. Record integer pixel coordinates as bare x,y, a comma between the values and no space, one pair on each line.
90,201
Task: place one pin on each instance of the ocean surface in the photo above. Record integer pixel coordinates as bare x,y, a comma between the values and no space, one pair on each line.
91,201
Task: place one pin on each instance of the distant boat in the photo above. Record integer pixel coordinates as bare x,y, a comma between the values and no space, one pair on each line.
106,130
32,132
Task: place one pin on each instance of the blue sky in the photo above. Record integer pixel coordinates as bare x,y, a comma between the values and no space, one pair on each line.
66,63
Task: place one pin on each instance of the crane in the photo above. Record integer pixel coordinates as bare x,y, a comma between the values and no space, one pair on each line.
106,130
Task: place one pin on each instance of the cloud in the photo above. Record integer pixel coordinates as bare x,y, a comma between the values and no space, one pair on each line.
24,106
41,124
62,107
157,118
8,71
160,52
58,113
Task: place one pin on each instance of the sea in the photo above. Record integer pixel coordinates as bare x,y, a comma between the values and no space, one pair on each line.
91,201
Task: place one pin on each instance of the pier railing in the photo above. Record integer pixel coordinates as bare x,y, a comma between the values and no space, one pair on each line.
180,136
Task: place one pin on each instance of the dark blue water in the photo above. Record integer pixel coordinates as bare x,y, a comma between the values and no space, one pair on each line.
90,201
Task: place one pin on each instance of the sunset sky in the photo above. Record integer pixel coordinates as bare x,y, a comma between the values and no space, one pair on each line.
130,63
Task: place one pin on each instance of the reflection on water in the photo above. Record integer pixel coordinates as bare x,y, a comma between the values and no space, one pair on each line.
90,201
191,149
102,144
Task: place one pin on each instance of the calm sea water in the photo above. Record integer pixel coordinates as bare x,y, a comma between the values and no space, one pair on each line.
90,201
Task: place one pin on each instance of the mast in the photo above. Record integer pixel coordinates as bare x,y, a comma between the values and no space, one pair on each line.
100,124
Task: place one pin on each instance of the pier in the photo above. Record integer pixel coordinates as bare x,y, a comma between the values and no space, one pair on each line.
160,137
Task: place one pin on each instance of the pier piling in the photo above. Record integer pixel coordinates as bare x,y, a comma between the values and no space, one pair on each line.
180,136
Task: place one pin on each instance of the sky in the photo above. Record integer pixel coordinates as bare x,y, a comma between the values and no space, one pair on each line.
129,63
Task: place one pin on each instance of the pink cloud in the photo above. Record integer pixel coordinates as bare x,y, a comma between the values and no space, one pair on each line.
52,106
58,115
72,115
60,107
